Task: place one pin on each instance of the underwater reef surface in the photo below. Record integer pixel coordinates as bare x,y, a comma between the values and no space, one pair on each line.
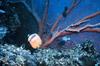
81,55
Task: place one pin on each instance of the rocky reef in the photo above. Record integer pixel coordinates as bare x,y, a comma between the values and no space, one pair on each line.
81,55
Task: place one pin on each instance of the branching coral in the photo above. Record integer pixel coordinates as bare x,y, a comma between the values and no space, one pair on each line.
42,23
73,28
74,4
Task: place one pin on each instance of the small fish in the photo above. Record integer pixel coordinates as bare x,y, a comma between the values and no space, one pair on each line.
35,40
65,38
64,12
2,11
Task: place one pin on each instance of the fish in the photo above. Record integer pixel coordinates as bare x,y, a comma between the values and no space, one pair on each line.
2,11
35,41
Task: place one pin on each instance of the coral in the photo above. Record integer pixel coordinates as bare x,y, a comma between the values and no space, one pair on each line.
11,55
55,29
74,28
77,56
